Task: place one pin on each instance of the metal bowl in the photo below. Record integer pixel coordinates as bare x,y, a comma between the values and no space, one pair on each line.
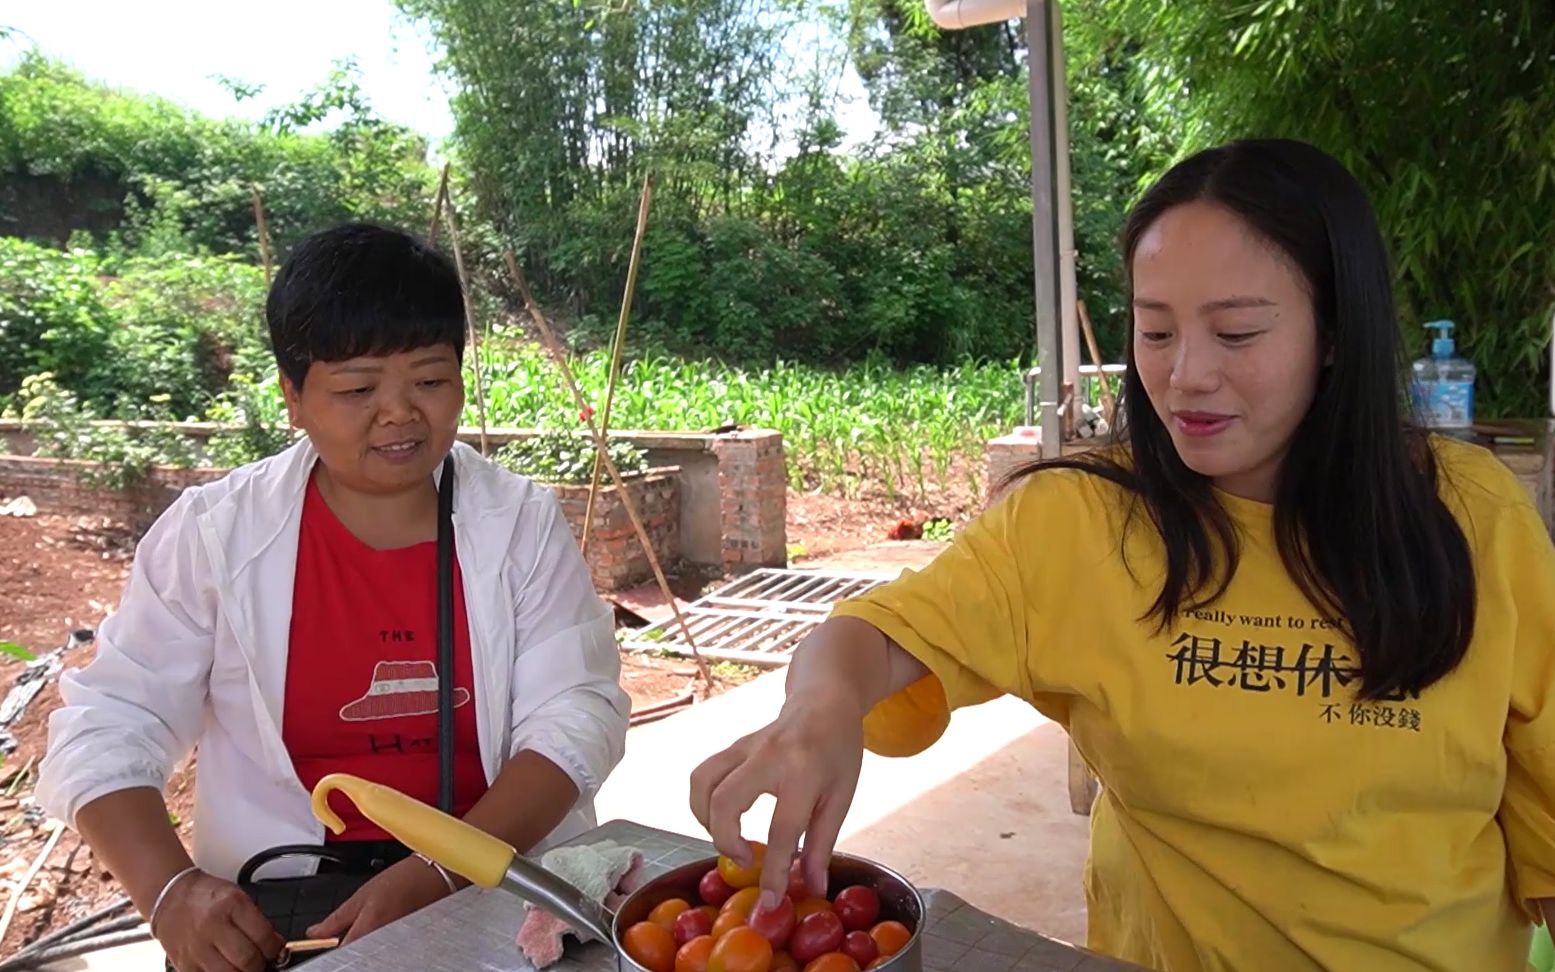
899,901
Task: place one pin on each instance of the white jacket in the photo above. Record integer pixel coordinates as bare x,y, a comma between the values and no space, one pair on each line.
196,655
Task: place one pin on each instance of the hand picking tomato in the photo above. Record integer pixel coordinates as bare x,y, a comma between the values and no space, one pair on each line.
743,877
818,934
651,946
858,907
776,923
742,950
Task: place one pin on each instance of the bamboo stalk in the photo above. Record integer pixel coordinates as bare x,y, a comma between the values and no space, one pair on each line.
560,354
264,230
437,205
615,352
1107,403
469,316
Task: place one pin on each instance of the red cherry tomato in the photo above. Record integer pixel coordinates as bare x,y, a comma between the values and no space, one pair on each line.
860,947
816,935
858,907
775,924
691,924
796,883
714,889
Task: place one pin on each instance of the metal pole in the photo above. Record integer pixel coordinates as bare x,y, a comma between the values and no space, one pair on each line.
1044,221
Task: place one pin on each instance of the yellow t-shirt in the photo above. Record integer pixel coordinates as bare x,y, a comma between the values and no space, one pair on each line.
1254,815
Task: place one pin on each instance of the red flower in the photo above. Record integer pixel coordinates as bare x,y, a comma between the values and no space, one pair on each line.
586,414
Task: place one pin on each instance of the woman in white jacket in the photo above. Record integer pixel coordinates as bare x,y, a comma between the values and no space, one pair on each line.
283,621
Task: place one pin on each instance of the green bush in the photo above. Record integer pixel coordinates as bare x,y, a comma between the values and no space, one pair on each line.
70,429
53,319
185,181
179,322
565,458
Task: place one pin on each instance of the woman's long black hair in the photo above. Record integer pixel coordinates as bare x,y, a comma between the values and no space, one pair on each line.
1357,516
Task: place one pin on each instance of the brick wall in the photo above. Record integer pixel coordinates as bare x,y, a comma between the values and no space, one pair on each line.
753,486
615,555
56,486
1005,454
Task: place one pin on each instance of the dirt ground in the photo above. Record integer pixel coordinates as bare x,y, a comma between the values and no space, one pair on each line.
60,574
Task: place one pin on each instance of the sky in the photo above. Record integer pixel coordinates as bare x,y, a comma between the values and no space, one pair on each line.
177,48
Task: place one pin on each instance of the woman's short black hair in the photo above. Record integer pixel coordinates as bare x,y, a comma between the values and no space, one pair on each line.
361,289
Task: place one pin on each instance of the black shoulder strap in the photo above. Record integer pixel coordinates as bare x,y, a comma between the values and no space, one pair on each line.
445,638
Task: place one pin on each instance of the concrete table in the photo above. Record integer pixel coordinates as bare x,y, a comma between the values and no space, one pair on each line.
473,931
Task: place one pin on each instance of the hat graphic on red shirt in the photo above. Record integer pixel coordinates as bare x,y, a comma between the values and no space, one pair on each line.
399,689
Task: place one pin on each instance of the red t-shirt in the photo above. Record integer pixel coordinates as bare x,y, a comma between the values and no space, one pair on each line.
361,676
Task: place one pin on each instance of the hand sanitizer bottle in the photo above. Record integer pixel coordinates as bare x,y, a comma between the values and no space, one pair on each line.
1444,383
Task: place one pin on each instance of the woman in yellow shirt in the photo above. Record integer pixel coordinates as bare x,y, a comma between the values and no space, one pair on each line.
1308,649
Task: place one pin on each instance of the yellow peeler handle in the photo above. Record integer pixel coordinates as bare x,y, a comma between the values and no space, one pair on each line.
463,849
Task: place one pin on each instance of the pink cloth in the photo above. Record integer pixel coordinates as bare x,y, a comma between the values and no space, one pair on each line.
606,872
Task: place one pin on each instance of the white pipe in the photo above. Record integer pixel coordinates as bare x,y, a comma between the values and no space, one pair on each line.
957,14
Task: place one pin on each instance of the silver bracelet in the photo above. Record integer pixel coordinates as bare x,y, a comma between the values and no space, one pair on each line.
151,919
448,879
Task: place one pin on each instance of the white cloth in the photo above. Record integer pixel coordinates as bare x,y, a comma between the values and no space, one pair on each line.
603,871
196,655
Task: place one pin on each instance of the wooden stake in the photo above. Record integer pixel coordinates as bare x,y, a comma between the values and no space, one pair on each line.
620,343
1107,403
264,230
437,206
560,354
32,872
469,315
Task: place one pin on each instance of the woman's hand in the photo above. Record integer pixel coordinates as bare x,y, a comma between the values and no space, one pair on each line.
809,758
400,889
206,924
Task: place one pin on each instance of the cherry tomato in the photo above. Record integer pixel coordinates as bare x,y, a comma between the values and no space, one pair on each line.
726,923
742,950
783,962
691,924
693,955
651,946
714,889
775,924
891,936
810,906
832,962
859,946
665,913
742,902
816,935
796,883
858,907
743,877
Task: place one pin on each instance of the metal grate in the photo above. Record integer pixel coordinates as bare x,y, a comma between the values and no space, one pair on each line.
757,619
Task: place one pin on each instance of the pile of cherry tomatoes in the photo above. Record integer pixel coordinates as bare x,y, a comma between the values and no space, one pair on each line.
726,932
